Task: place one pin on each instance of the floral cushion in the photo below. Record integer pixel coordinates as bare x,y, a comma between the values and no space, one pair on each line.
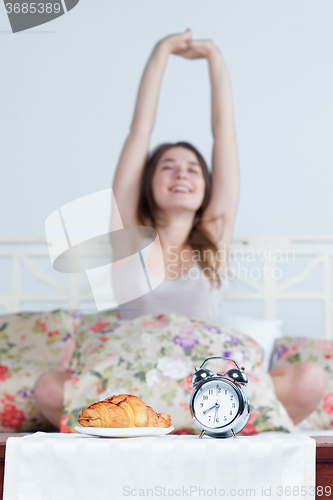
153,357
30,344
300,349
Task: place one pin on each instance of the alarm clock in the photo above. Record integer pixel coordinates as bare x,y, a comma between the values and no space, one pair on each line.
219,405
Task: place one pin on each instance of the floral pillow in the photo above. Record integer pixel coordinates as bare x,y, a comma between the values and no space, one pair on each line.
47,336
300,349
153,357
30,344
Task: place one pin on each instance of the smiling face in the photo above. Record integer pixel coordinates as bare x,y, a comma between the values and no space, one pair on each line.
178,181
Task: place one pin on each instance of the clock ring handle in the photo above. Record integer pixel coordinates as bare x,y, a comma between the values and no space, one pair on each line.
222,357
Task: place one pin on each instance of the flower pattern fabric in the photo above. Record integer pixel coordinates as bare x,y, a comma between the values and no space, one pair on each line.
30,344
154,357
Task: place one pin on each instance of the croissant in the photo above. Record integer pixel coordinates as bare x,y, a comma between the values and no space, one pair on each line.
123,410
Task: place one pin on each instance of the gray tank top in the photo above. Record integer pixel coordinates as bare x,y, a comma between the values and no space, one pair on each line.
191,294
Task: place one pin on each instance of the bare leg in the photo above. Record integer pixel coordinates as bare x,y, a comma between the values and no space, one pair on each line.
49,395
299,387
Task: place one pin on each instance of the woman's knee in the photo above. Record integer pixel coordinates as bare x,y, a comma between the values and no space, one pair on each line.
310,381
302,382
49,388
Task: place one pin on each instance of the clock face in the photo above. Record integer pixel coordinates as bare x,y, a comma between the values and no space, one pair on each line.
216,404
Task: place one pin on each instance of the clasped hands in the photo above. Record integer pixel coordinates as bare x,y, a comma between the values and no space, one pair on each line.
183,45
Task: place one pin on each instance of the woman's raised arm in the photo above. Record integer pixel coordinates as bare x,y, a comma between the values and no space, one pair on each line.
225,165
225,170
126,185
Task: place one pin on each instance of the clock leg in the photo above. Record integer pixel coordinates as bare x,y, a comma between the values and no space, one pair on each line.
233,434
202,434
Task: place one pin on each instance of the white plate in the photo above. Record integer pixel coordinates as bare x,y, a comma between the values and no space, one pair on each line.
124,432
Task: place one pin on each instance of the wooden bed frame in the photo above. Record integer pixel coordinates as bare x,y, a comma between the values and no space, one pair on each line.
324,462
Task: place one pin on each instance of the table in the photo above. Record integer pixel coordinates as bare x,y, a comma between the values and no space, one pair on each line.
324,461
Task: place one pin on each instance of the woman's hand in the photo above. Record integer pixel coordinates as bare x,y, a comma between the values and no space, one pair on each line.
183,45
197,49
177,43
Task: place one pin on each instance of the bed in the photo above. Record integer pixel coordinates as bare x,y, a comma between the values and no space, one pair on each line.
270,278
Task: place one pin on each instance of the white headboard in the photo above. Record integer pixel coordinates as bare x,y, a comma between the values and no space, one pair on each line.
265,269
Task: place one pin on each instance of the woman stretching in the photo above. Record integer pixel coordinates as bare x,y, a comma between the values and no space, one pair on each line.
193,212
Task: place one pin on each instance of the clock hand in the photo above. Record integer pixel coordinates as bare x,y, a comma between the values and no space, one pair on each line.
216,410
216,406
208,409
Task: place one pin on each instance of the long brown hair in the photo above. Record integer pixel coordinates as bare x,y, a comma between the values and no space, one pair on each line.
147,212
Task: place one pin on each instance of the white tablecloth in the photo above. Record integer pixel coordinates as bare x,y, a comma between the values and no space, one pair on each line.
75,467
